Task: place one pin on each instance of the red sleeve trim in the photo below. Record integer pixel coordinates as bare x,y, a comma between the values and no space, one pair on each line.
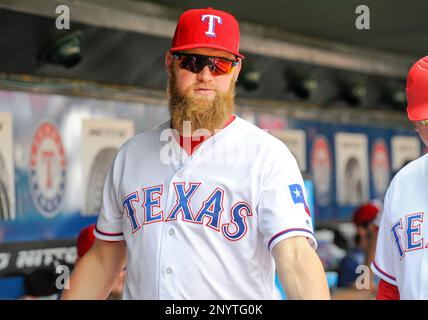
387,291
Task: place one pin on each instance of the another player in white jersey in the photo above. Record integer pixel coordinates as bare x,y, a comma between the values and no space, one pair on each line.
402,247
209,210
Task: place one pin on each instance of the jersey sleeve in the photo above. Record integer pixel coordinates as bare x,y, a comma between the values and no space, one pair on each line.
383,264
282,209
109,225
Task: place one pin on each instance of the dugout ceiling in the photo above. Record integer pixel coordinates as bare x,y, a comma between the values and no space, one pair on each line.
398,26
123,42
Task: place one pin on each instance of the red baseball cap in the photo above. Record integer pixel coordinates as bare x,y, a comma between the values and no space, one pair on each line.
417,91
85,240
365,214
207,28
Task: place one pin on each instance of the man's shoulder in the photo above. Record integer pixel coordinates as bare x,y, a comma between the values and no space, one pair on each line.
410,176
258,135
248,127
412,170
144,139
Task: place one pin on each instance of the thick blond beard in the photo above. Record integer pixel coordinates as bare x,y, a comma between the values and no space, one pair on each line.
202,113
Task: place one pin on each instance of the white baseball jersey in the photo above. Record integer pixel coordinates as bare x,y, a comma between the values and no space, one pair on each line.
379,204
402,246
203,226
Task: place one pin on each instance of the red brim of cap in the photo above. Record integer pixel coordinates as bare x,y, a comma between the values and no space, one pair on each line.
205,45
418,113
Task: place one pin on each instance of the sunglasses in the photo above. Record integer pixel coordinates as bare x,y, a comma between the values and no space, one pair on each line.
423,122
195,63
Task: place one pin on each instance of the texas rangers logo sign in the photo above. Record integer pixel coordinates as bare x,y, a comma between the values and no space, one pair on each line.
212,20
47,170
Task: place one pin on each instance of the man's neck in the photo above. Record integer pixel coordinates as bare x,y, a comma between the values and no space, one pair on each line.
189,132
190,143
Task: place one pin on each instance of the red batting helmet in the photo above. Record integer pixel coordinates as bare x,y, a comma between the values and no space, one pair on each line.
417,91
365,214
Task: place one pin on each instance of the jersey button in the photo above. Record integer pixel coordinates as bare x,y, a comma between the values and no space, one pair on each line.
171,232
168,270
180,175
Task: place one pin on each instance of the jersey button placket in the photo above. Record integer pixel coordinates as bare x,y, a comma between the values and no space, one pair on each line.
168,285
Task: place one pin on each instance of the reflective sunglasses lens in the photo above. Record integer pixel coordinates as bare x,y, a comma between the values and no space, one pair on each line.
190,63
424,122
195,63
222,66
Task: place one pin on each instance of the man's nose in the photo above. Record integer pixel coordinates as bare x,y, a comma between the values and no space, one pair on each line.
205,75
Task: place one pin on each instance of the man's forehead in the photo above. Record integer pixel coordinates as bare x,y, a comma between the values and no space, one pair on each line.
211,52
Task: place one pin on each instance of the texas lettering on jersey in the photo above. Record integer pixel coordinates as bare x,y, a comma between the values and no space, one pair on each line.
149,200
407,234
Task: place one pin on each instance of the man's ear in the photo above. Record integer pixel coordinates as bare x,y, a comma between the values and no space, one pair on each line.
238,67
414,126
237,70
169,63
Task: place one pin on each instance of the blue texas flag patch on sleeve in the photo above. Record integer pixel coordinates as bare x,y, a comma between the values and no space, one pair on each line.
298,196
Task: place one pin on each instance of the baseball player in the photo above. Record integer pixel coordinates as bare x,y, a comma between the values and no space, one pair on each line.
401,259
206,205
363,219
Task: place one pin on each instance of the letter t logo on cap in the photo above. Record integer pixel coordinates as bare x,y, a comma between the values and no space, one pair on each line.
211,23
